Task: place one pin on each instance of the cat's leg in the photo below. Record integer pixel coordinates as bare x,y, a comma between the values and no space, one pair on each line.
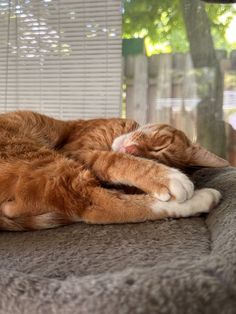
106,207
62,192
163,182
120,208
34,188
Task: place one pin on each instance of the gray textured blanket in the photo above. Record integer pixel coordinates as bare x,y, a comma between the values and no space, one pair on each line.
170,266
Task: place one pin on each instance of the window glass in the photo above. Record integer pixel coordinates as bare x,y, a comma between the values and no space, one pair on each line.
179,61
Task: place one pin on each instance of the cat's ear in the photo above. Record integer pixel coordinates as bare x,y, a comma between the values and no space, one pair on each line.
202,157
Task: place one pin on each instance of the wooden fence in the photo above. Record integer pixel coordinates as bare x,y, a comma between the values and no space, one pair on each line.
163,88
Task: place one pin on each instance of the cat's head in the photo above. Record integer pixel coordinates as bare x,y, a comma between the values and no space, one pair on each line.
167,145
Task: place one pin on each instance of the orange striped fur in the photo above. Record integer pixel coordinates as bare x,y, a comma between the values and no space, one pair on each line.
52,171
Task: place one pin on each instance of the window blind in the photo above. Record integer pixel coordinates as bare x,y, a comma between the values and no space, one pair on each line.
61,57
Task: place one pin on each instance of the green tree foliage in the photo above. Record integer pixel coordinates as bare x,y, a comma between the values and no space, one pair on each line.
161,23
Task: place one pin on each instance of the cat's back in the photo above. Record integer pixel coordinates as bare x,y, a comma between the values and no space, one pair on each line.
14,135
11,126
98,134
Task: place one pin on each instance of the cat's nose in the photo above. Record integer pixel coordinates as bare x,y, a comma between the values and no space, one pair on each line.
131,149
122,149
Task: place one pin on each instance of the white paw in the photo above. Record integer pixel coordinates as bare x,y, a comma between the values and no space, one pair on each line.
179,186
202,202
164,196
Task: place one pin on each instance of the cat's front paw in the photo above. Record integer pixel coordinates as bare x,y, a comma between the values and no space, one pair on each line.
205,199
178,187
202,202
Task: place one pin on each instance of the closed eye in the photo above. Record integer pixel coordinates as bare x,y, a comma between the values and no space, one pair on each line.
157,149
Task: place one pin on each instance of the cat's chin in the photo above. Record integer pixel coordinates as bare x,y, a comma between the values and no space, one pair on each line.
118,143
123,144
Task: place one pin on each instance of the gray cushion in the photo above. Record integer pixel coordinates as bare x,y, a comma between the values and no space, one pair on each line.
169,266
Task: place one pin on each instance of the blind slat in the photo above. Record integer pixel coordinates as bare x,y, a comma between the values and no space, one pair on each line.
62,58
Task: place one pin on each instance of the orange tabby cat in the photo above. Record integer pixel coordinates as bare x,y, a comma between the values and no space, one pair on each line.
51,172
